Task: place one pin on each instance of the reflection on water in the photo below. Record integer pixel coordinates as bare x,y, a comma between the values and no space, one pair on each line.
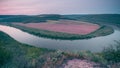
94,44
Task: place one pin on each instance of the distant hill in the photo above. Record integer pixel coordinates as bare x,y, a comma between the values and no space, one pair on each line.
95,18
27,19
98,18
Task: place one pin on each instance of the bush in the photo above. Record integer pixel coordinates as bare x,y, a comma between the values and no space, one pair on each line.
4,55
112,53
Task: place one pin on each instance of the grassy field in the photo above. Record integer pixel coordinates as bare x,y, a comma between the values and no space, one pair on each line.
19,55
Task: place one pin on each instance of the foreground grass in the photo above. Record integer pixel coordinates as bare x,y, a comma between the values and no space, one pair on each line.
17,55
102,31
21,54
5,55
112,55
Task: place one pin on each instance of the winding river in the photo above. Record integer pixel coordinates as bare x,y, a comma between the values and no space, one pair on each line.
94,44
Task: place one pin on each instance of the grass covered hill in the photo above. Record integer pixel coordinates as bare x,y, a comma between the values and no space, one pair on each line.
98,18
32,18
95,18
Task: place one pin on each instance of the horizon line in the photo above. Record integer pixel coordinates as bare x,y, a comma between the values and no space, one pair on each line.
65,14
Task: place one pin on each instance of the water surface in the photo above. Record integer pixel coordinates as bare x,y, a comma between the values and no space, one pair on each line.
93,44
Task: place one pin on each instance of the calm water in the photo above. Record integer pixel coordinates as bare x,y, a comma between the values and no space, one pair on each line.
94,44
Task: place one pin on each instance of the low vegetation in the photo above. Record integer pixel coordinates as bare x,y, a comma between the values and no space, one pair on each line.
17,55
5,55
112,55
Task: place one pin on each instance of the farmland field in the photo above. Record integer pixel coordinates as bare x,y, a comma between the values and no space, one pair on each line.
65,26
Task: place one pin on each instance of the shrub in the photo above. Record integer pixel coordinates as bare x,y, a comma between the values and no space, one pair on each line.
4,55
112,53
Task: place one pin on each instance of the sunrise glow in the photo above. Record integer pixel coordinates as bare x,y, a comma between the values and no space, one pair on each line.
59,6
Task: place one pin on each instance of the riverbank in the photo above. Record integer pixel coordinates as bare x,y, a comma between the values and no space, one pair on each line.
102,31
22,55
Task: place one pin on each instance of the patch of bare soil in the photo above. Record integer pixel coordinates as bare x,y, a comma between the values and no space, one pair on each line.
77,63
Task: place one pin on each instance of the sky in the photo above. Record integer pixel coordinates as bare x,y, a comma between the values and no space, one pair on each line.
35,7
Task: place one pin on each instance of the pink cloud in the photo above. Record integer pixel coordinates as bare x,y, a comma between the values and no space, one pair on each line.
58,6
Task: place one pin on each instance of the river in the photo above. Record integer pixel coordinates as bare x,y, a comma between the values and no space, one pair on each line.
94,44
